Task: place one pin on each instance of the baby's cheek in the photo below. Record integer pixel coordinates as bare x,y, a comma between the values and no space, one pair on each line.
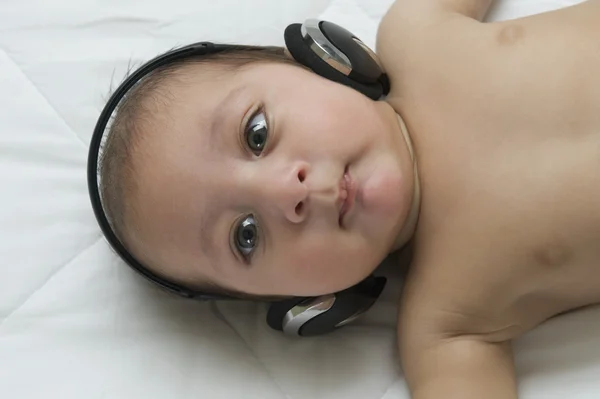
312,270
381,192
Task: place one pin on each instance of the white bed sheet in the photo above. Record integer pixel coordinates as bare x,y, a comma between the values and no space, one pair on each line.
75,323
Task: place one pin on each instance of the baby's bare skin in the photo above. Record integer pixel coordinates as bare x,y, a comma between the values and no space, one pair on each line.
505,119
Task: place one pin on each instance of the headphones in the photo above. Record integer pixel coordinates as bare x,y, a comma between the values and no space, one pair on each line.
330,51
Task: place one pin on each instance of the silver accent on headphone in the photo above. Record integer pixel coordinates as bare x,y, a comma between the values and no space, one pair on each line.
312,35
296,317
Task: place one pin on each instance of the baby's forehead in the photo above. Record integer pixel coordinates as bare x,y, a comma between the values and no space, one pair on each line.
215,77
193,92
189,113
201,88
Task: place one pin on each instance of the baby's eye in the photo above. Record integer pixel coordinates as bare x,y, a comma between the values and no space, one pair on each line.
246,237
256,133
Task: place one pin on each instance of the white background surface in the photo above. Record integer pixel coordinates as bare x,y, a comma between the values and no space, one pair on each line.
75,323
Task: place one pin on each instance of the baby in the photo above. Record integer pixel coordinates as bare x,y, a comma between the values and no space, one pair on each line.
224,173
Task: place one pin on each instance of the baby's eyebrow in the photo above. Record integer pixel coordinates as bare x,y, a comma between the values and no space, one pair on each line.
223,110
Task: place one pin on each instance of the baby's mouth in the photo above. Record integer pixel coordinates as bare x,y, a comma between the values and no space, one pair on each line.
346,196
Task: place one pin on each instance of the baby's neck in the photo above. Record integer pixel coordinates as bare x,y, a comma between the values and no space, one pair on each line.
410,225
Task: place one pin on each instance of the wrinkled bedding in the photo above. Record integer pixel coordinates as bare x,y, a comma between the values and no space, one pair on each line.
75,323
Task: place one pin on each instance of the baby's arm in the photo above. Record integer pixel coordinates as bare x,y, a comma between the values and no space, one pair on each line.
460,368
412,31
439,359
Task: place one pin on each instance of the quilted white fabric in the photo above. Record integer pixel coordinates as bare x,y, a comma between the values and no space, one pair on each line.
75,323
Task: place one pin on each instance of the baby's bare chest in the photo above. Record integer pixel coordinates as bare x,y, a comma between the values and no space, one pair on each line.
538,144
521,227
510,156
519,208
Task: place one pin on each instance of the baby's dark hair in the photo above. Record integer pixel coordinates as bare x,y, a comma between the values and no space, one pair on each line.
134,114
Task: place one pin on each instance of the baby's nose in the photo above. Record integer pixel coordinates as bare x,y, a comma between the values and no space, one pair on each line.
288,193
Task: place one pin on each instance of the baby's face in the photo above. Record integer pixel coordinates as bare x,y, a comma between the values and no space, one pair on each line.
241,182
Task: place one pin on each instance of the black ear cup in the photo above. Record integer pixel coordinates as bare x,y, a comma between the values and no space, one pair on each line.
302,52
321,315
365,64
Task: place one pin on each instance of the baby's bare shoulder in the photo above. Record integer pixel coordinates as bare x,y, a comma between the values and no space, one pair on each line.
409,21
415,37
